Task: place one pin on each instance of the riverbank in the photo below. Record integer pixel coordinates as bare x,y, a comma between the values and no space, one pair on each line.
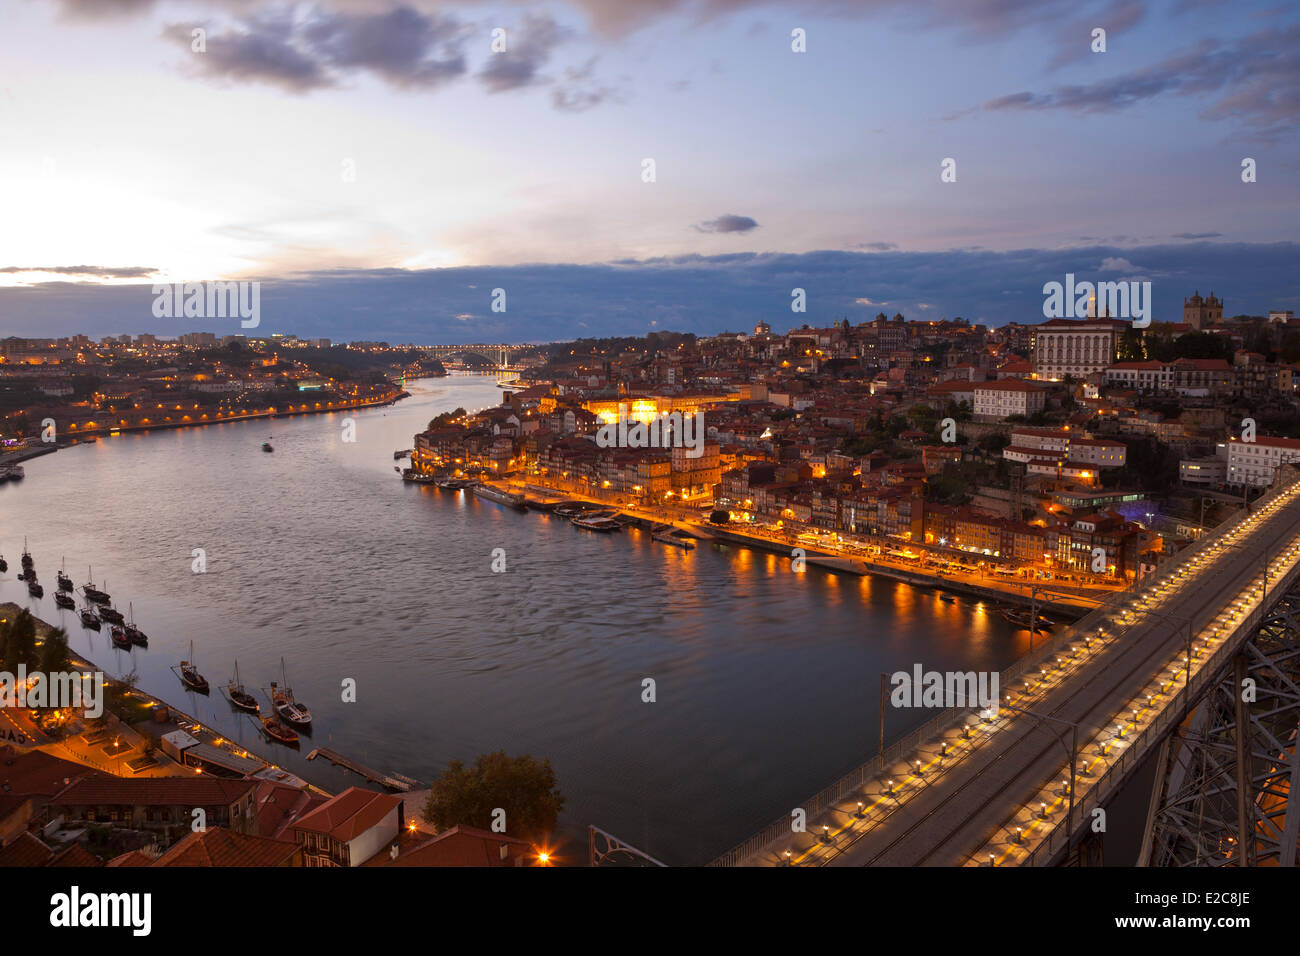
1061,599
187,421
136,744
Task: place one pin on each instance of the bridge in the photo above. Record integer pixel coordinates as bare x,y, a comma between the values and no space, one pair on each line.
1196,667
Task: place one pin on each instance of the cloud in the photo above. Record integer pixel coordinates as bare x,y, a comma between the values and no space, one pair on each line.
727,223
99,272
703,294
1251,80
865,301
1197,235
402,46
579,91
527,51
878,246
1116,264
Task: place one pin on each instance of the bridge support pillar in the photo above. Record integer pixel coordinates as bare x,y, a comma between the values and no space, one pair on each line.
1226,788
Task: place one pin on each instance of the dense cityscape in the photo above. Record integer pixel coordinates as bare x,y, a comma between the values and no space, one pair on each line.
700,436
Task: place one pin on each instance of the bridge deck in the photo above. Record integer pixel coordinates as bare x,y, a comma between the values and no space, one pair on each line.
978,780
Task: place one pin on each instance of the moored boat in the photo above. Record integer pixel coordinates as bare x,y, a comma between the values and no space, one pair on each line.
602,521
506,498
34,588
190,675
239,696
93,593
136,635
64,599
111,614
278,730
119,638
65,582
282,699
4,565
90,619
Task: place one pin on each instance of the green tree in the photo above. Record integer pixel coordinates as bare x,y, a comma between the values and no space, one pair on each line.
719,517
522,786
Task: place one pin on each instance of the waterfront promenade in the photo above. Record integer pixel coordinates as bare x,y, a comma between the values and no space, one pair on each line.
1070,595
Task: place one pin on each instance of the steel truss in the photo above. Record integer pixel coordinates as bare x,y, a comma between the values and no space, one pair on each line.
1200,813
605,849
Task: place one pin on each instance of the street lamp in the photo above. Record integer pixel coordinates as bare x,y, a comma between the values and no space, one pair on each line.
1073,751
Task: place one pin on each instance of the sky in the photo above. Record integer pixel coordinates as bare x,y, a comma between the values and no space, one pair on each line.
380,168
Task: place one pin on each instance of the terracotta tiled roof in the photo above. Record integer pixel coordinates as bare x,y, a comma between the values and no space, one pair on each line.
459,846
351,813
156,791
131,858
39,773
25,851
217,846
75,856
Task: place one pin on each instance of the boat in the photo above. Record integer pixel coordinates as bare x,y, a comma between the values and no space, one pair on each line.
285,705
89,618
65,582
670,537
240,697
500,497
277,729
266,446
4,565
947,598
572,509
190,675
27,560
602,521
35,589
119,638
16,472
398,455
64,599
1022,619
111,614
93,593
411,475
136,635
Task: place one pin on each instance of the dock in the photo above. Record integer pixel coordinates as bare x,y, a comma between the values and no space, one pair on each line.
394,781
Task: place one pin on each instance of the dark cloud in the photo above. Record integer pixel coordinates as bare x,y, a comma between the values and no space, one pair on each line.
402,46
877,246
103,272
1252,80
703,294
1197,235
527,51
727,223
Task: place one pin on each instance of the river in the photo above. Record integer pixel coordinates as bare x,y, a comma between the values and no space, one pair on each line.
766,681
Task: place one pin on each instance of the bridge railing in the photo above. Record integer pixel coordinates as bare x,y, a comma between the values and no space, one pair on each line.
852,782
1057,841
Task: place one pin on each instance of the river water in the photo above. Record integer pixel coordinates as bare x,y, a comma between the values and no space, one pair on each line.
766,681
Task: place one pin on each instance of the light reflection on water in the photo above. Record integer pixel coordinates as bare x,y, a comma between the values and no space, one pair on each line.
767,680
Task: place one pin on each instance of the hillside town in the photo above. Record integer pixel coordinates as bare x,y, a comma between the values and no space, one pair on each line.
1020,449
136,383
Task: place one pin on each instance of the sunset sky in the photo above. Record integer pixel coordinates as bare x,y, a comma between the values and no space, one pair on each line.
318,147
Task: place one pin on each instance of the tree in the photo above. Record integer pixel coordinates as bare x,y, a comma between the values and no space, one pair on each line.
18,641
522,786
719,517
54,656
445,418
